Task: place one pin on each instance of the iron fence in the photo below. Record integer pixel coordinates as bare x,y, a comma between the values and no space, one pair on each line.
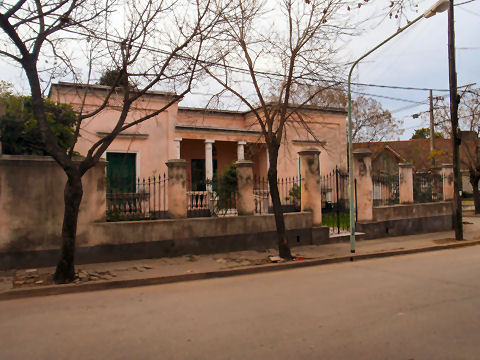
261,195
427,187
335,201
139,200
386,190
289,191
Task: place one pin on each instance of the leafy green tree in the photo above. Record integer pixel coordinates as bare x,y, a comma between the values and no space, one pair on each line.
226,187
20,134
112,77
424,133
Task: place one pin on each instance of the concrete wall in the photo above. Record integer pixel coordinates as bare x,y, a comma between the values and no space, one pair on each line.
31,202
113,241
408,219
410,211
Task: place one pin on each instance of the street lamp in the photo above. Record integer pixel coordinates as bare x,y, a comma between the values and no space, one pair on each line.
438,7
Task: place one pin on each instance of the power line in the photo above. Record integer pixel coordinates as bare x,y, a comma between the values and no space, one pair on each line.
268,74
389,97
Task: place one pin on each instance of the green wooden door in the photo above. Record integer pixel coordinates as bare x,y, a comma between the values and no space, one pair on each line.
121,172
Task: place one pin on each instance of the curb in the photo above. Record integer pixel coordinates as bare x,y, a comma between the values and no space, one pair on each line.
119,284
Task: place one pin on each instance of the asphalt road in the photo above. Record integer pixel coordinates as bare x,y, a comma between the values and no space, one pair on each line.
423,306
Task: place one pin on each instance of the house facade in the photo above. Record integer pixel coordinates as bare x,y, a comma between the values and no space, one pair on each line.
387,155
209,140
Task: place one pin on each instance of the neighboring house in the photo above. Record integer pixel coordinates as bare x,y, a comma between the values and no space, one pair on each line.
386,155
209,140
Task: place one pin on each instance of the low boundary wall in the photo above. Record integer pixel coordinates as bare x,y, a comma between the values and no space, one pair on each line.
32,205
129,240
408,219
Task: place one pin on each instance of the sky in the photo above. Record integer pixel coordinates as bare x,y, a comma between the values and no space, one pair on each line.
416,58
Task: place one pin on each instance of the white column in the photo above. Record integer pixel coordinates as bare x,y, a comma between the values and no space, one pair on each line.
241,150
178,141
208,162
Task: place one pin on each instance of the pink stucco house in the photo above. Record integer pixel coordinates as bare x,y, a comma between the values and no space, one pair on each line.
209,140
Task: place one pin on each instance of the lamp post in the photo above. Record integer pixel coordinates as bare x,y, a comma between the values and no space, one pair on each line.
438,7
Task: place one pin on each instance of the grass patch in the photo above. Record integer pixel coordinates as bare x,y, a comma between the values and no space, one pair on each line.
330,219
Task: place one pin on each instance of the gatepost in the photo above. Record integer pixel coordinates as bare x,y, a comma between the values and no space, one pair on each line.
405,181
362,165
447,175
245,199
311,192
177,189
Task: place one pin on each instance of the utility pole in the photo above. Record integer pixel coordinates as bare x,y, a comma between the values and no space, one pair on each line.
454,100
432,130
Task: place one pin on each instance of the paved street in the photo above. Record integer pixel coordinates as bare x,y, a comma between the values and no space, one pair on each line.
423,306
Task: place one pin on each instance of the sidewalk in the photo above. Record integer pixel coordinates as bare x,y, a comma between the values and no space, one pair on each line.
101,276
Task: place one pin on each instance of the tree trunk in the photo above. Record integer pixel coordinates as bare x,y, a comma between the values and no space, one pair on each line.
476,193
283,248
73,193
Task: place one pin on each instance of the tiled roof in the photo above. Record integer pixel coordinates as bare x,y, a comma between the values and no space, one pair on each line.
415,151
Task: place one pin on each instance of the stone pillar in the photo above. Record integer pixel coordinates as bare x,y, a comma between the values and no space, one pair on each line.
241,150
447,175
178,141
208,163
245,200
177,189
362,170
405,181
311,192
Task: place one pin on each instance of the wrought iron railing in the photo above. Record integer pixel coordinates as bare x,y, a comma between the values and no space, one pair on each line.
386,190
144,199
335,203
427,187
289,192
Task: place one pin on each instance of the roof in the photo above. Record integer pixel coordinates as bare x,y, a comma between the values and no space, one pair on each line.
154,93
313,108
415,151
96,87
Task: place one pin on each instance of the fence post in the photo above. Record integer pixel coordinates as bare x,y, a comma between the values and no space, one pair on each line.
177,190
362,169
447,175
245,200
405,181
311,193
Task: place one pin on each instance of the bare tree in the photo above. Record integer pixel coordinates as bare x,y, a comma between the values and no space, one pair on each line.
469,116
371,122
469,121
160,42
296,41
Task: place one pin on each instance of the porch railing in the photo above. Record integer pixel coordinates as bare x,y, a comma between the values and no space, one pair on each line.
197,200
